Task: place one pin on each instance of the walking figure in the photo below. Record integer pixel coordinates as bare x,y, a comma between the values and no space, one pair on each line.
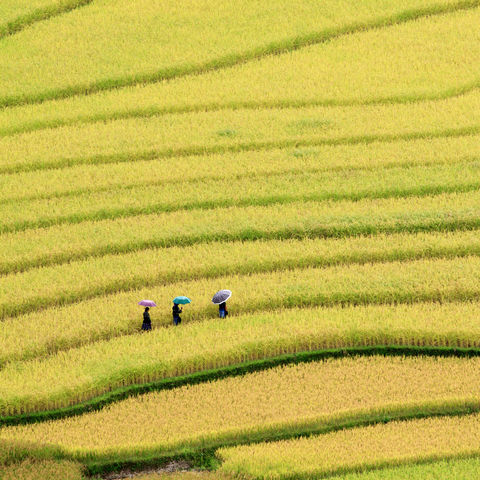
147,322
222,310
220,299
176,311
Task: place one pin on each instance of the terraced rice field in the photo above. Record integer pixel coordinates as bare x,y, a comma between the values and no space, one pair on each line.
321,160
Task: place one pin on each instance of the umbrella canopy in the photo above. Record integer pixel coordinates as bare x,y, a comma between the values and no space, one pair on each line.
181,300
147,303
221,296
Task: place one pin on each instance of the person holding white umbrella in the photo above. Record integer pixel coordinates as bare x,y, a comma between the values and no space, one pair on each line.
220,299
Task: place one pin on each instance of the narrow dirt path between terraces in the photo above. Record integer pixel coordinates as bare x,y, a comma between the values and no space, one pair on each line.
171,467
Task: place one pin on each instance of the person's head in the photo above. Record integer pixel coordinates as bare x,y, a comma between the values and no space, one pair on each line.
147,309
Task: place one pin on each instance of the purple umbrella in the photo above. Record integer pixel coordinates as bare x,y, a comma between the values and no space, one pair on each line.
147,303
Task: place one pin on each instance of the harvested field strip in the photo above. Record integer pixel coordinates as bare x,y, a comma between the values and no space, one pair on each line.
280,402
395,58
360,449
218,56
79,375
239,165
73,282
237,130
446,212
306,186
44,11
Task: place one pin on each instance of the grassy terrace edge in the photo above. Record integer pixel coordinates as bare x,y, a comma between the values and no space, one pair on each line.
12,310
274,48
38,15
149,112
204,456
260,201
244,236
118,394
196,150
203,453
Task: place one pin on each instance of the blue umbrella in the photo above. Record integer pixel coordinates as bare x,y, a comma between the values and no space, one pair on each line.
181,300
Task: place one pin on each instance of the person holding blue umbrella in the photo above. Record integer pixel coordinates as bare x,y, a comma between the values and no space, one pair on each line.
176,310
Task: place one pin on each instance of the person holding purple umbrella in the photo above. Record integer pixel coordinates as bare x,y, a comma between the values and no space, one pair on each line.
147,322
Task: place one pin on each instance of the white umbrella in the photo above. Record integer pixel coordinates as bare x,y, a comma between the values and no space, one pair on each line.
221,296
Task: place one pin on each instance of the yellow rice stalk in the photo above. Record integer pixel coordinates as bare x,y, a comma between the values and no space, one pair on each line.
215,193
388,63
330,218
10,10
76,375
199,132
339,158
463,469
297,398
394,443
151,41
42,470
62,288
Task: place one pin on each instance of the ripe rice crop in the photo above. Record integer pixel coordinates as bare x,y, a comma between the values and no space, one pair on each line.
195,475
211,132
42,470
24,250
111,44
238,165
463,469
15,15
12,9
386,64
267,190
76,375
394,443
264,405
70,283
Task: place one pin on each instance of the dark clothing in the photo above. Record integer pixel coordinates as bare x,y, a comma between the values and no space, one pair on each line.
147,323
176,311
222,310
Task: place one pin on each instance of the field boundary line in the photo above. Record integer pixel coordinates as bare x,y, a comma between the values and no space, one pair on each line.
245,235
40,14
196,150
273,48
239,176
205,455
15,309
149,112
129,212
118,394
